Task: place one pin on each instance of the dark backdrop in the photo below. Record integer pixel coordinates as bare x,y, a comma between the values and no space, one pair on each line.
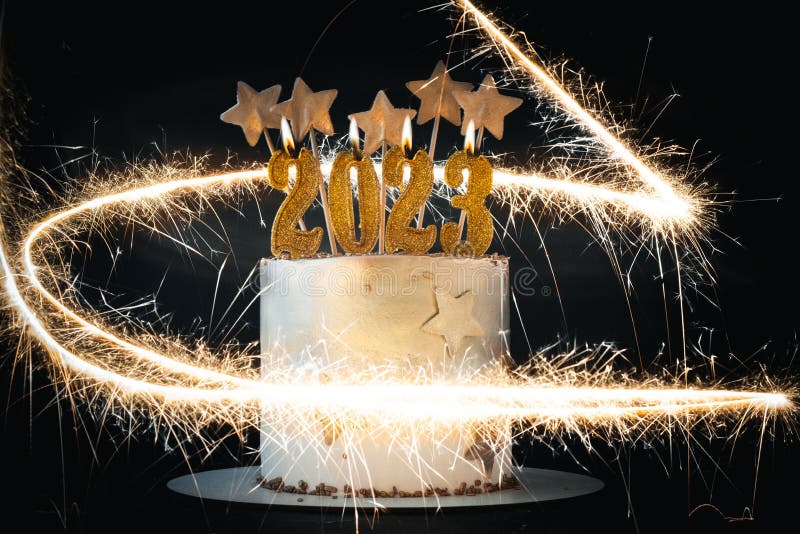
123,79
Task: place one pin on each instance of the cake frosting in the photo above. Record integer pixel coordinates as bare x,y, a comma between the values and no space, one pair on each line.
330,316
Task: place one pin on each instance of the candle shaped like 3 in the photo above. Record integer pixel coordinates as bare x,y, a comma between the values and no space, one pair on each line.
341,199
286,238
479,185
399,233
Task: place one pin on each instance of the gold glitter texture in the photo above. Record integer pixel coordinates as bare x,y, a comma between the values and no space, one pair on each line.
399,233
340,195
286,238
480,228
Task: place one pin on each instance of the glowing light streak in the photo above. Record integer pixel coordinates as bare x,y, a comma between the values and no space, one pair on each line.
615,147
553,398
471,402
585,192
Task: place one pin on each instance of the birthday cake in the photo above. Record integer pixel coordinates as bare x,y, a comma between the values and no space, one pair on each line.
400,313
329,316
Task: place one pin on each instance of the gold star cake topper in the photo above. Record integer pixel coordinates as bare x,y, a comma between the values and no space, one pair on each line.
252,111
454,321
486,107
382,122
436,95
307,109
412,172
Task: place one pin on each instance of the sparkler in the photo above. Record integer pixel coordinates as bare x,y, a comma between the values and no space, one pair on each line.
552,397
137,376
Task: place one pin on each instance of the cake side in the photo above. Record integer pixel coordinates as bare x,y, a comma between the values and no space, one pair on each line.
447,313
327,318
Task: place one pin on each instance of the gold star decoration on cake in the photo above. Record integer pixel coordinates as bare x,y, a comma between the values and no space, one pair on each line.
454,321
252,111
436,95
486,107
307,109
382,122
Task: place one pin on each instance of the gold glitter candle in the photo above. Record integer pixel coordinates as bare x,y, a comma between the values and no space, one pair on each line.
399,233
340,195
480,228
286,238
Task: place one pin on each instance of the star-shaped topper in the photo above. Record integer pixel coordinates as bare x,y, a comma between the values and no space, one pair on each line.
252,111
454,320
436,95
486,107
307,109
382,122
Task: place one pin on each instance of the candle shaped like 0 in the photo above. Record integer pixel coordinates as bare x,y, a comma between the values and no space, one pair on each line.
341,198
286,238
480,228
399,233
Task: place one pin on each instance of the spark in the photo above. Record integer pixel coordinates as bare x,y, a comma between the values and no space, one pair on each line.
616,147
574,392
518,400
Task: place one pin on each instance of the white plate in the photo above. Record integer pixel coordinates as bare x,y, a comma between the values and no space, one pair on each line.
238,484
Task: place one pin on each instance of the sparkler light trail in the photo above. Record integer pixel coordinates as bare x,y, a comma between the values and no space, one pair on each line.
565,101
136,374
188,387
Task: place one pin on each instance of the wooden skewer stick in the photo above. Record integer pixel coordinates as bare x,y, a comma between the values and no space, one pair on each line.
382,230
323,194
431,150
269,142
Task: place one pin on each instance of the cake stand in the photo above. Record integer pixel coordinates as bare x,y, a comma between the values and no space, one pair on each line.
238,484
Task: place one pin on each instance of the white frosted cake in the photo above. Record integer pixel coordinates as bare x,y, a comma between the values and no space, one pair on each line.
330,316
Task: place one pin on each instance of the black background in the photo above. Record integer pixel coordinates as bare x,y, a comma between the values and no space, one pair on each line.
120,78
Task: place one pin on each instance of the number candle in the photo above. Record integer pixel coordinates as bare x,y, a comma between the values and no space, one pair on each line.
399,234
341,198
479,185
286,238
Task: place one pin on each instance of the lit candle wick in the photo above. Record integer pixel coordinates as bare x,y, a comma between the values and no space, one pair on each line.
286,134
469,138
406,138
354,142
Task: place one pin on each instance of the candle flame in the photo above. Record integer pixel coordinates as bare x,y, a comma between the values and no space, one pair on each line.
286,133
469,137
354,141
406,138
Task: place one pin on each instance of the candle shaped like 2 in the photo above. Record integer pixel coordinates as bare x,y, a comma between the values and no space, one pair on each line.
399,233
341,199
479,185
286,238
